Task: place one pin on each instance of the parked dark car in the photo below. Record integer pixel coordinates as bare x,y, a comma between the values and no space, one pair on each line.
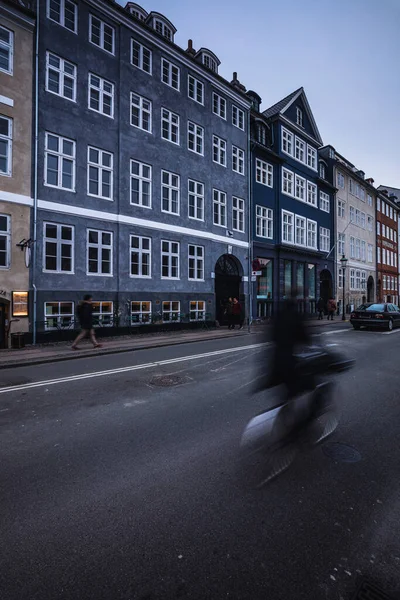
383,315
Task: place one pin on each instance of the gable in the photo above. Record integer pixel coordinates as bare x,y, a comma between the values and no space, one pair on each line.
300,102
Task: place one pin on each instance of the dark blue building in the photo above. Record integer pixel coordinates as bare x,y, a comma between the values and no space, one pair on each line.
292,207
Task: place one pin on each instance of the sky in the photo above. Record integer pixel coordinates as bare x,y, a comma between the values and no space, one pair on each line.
345,53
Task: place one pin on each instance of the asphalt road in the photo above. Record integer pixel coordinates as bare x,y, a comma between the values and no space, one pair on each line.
120,486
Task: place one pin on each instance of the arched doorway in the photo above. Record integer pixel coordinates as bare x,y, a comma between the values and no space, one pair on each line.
325,285
228,283
370,289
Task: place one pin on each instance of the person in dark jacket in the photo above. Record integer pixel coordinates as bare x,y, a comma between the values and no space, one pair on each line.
320,308
85,316
229,315
237,314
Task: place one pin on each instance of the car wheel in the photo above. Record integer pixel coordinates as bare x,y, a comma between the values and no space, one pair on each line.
390,324
356,327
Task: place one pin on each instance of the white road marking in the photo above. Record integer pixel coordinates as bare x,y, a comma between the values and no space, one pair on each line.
37,384
390,332
333,332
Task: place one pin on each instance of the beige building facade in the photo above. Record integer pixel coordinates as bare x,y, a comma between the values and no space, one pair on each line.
16,109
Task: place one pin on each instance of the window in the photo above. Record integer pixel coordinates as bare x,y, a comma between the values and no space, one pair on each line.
352,214
140,312
6,50
363,250
140,112
219,203
299,116
196,200
196,262
383,207
287,182
101,34
352,279
369,199
197,310
59,162
340,278
261,134
5,241
209,62
378,204
195,89
369,255
351,187
378,228
395,260
340,180
362,221
378,255
140,256
171,311
300,150
140,184
311,234
238,118
362,194
341,244
358,280
163,29
287,142
312,158
103,314
311,193
324,203
384,256
341,208
358,217
300,231
195,138
100,173
384,282
300,188
358,249
264,173
219,105
238,214
169,126
324,239
58,242
352,248
219,150
5,146
369,223
99,252
264,222
20,306
391,212
322,170
63,12
141,57
101,95
58,315
238,160
383,230
170,74
170,190
60,77
287,227
169,260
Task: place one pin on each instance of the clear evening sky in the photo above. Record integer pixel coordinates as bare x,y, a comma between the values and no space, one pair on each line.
345,53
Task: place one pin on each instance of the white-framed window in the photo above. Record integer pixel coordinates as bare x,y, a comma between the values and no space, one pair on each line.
6,135
384,282
140,249
369,199
237,117
101,95
219,105
383,207
324,202
300,230
358,279
358,249
170,74
378,228
195,89
378,253
264,222
312,158
238,214
169,126
219,208
219,150
391,212
363,250
140,112
196,262
6,50
299,116
264,173
352,214
58,315
340,180
352,279
383,230
238,160
58,248
312,234
358,217
171,311
100,173
5,241
195,138
352,247
287,182
63,12
141,57
170,192
369,254
362,220
103,313
140,312
352,188
341,208
59,162
287,227
341,244
340,278
395,261
169,260
287,142
197,310
322,170
209,62
300,150
370,223
163,29
99,252
261,134
60,77
101,34
312,194
300,188
324,239
196,200
141,176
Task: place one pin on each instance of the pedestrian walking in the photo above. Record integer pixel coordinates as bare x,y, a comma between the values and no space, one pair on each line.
320,308
237,314
85,316
331,308
228,312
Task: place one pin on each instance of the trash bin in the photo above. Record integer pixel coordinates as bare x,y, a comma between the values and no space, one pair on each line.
17,341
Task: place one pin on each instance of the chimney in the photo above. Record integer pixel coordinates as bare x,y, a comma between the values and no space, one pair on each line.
236,83
370,181
190,49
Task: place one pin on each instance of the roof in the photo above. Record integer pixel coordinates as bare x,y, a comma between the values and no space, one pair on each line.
278,108
27,7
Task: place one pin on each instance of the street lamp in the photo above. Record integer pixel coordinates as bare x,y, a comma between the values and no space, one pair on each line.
343,261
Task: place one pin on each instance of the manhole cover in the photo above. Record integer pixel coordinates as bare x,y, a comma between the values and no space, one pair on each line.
367,591
167,380
341,452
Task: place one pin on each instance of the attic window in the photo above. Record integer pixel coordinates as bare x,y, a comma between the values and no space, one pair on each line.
137,11
138,15
163,29
299,116
322,172
261,135
209,62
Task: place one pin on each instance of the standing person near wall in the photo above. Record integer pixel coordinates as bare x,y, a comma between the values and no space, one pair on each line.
85,316
331,308
320,308
237,314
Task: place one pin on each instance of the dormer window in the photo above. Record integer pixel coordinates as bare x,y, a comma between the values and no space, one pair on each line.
322,170
208,59
138,15
137,11
162,28
261,134
209,62
161,25
299,117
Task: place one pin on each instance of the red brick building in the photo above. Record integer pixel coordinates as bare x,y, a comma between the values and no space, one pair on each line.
387,252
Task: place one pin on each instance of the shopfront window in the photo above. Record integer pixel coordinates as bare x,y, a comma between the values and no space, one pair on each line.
287,291
311,281
264,289
300,280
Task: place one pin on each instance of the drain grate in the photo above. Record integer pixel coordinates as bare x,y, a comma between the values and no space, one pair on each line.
167,380
368,591
341,452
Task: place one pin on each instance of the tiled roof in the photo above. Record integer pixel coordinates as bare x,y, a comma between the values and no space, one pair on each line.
276,108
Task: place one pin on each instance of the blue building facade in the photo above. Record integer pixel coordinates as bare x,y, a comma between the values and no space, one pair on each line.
292,207
143,171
